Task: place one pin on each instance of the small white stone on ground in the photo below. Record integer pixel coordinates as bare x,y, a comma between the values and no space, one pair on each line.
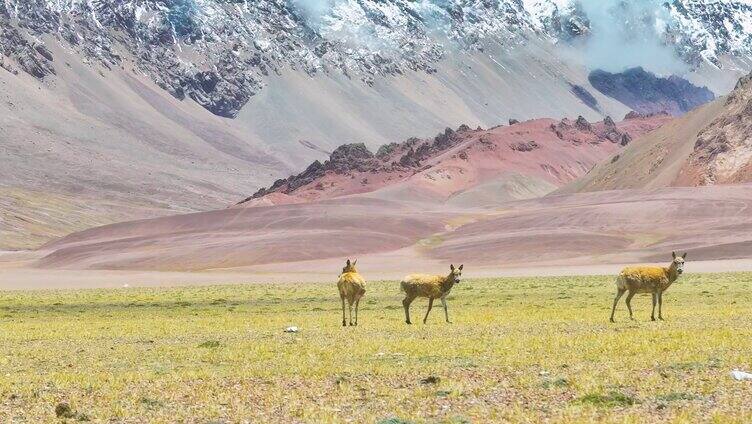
741,375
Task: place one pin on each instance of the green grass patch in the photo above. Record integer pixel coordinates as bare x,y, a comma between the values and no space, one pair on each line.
610,400
518,350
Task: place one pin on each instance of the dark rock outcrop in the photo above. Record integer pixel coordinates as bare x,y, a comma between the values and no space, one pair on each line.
638,115
582,124
355,158
35,60
584,95
528,146
606,132
343,160
645,92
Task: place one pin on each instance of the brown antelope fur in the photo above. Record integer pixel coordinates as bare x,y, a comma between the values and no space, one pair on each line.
648,279
430,286
352,287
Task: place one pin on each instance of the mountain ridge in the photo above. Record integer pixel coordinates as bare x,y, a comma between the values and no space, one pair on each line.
127,109
710,145
219,54
548,151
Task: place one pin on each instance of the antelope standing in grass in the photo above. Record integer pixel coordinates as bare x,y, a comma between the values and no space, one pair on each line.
430,286
352,287
648,279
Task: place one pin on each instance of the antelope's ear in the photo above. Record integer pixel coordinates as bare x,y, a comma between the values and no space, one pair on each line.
355,262
673,255
684,256
461,265
451,267
348,261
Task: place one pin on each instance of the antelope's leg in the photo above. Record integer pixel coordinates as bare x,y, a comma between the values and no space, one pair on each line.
430,305
446,311
344,322
655,300
619,294
660,306
350,304
406,303
630,295
357,302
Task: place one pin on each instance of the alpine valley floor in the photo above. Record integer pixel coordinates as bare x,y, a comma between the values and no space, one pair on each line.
519,349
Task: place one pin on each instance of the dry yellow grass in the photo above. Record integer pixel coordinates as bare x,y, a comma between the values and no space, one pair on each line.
522,350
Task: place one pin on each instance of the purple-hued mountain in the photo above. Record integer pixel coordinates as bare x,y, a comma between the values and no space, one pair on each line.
647,93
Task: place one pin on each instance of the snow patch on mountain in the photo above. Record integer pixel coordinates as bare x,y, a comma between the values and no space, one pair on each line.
708,29
221,53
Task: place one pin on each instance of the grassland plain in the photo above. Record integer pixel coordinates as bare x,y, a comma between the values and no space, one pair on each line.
520,349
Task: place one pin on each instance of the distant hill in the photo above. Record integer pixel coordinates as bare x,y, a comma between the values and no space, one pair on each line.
710,145
645,92
472,166
128,109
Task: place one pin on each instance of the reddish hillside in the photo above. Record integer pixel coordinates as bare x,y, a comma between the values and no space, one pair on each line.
521,160
624,226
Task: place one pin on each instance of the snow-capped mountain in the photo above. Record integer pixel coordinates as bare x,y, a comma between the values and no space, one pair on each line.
710,29
192,104
220,52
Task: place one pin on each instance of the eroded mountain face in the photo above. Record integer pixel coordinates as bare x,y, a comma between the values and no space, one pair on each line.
723,150
647,93
711,145
219,53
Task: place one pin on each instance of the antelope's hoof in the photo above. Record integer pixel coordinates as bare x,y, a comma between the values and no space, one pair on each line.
449,322
652,318
612,320
632,318
408,322
660,318
344,324
356,324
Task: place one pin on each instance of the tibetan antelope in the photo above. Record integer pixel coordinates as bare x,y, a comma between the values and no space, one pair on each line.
430,286
648,279
352,287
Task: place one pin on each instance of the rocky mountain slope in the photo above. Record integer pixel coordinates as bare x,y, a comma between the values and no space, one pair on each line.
646,93
708,30
723,149
123,109
475,166
710,145
220,53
